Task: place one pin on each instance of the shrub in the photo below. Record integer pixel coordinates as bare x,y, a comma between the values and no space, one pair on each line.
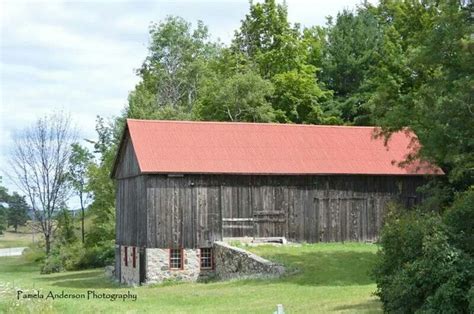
35,252
52,264
101,255
418,268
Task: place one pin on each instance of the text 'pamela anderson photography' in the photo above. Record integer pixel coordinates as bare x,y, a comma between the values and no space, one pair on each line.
88,295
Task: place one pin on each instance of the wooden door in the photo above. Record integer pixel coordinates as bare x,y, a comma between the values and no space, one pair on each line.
270,223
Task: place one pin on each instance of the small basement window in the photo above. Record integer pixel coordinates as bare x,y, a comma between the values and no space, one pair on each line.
176,258
206,258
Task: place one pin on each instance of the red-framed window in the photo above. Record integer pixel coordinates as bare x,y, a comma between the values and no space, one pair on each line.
134,257
176,258
206,258
125,256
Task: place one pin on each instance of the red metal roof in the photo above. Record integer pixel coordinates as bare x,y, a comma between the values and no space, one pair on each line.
268,148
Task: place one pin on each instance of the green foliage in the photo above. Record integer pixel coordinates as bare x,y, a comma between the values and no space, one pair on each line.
65,233
424,81
79,162
3,219
17,212
288,57
4,196
298,98
460,221
35,253
52,264
173,71
419,268
266,38
349,55
241,97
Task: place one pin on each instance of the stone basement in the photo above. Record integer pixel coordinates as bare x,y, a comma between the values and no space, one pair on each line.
221,261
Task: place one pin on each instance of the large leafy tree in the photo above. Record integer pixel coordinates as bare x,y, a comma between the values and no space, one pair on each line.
241,97
173,70
425,81
288,57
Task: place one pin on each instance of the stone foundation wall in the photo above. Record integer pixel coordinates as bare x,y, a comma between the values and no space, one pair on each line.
232,262
129,274
158,270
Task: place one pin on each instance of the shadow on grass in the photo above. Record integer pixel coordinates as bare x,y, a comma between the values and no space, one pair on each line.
67,276
90,283
372,306
85,279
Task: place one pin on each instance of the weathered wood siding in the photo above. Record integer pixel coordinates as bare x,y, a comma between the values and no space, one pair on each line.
195,210
130,216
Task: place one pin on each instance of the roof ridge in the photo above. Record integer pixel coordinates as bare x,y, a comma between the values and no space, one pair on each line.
254,123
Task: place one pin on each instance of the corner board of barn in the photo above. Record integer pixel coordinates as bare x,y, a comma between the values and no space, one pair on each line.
176,202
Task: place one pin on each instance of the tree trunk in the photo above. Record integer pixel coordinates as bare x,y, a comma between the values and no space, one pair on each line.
82,218
48,243
16,228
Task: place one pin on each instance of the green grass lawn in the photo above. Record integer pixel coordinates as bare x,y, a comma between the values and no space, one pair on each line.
325,278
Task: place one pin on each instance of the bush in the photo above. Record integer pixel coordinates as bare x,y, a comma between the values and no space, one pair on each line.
35,252
418,268
100,255
75,256
52,264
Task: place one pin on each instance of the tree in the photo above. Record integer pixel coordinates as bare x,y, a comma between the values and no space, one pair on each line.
241,97
267,39
17,211
173,70
349,54
65,234
79,162
101,185
3,207
39,165
288,57
425,82
299,98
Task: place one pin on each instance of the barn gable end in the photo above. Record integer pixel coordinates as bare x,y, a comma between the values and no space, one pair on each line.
126,162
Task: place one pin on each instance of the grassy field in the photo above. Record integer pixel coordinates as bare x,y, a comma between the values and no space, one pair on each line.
16,239
325,278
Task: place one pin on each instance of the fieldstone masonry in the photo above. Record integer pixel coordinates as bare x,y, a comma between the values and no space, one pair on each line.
129,274
157,261
232,262
229,262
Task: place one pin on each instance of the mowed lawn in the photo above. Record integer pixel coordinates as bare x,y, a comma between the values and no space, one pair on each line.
324,278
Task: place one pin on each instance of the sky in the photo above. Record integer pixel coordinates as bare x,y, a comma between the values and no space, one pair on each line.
80,57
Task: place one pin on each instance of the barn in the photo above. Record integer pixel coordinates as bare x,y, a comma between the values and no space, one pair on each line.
182,186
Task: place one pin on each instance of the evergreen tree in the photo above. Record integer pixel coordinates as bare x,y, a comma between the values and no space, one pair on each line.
17,212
